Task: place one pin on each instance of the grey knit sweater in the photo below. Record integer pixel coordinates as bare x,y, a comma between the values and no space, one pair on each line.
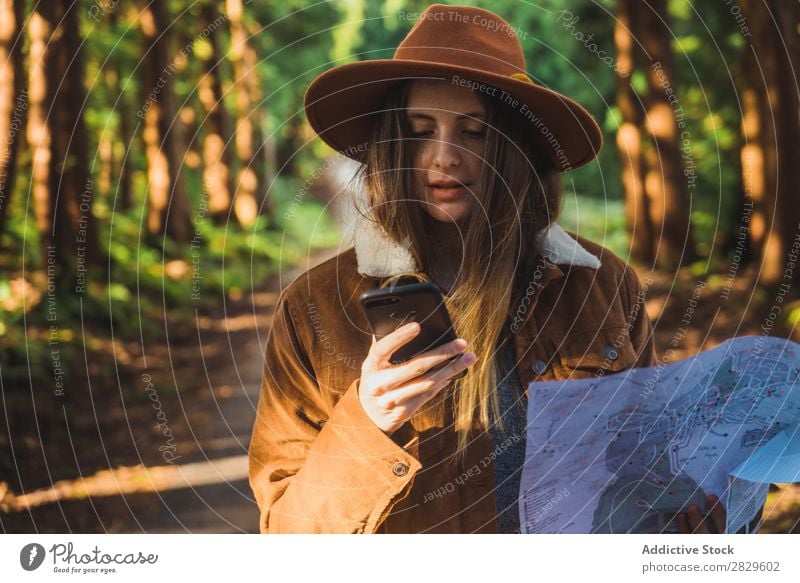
509,443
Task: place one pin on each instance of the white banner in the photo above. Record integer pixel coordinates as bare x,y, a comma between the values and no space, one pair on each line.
399,558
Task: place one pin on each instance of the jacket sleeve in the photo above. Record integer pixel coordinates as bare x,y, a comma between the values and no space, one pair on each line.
641,332
315,467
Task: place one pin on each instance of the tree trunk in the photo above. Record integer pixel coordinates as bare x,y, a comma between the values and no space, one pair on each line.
671,173
40,29
629,137
788,134
271,165
168,207
771,131
186,124
13,98
264,143
105,148
217,177
62,187
757,155
246,78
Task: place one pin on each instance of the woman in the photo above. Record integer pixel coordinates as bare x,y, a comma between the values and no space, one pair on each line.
461,154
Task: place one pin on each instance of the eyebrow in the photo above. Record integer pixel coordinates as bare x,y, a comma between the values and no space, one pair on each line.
477,114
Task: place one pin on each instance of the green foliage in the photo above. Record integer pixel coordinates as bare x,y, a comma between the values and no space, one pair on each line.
707,50
599,220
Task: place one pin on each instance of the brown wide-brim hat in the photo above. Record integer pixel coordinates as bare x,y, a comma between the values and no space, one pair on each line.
471,43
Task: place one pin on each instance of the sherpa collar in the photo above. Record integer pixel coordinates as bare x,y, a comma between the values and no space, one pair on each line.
379,255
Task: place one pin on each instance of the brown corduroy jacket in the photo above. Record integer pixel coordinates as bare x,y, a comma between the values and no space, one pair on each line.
319,464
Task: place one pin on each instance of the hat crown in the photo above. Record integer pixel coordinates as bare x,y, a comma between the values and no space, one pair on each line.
475,44
464,36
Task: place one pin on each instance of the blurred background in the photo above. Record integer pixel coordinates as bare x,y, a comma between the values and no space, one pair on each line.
159,185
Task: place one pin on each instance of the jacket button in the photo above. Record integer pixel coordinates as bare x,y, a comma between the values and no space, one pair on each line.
539,366
610,352
400,469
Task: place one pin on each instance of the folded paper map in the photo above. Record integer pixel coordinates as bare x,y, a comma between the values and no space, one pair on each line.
626,452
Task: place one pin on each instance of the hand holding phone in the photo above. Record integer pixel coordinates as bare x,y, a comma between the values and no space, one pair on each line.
391,394
389,308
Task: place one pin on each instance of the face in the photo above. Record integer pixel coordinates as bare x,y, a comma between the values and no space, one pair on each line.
449,132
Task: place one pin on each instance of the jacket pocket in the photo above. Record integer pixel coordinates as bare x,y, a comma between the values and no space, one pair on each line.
594,353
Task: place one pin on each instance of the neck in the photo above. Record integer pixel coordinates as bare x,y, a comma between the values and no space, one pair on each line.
445,242
442,231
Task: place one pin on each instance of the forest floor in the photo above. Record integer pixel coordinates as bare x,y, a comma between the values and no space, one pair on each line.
101,461
158,445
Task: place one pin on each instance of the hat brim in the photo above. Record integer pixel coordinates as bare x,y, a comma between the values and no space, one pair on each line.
340,105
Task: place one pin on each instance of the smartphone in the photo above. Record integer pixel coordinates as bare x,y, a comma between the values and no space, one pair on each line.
389,308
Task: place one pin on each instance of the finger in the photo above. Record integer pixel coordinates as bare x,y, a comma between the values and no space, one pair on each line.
454,367
427,360
683,523
383,349
696,523
403,395
427,383
719,517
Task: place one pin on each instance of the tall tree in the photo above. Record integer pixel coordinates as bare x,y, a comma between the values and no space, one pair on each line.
771,132
758,158
787,17
168,210
266,153
13,98
629,137
665,183
62,187
186,122
249,181
217,176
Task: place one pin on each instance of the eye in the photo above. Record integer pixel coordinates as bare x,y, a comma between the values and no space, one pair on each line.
421,134
475,133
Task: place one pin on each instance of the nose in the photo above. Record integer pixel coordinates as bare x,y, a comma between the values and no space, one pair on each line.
446,154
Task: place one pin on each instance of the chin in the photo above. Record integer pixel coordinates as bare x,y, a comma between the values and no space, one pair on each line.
447,213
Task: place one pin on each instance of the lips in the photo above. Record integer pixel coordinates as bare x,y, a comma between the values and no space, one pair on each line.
447,190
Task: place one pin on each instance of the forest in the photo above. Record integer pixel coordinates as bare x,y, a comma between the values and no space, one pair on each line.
160,184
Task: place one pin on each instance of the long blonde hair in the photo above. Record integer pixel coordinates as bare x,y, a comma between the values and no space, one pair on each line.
519,188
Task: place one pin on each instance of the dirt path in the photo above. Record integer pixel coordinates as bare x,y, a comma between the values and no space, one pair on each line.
206,383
